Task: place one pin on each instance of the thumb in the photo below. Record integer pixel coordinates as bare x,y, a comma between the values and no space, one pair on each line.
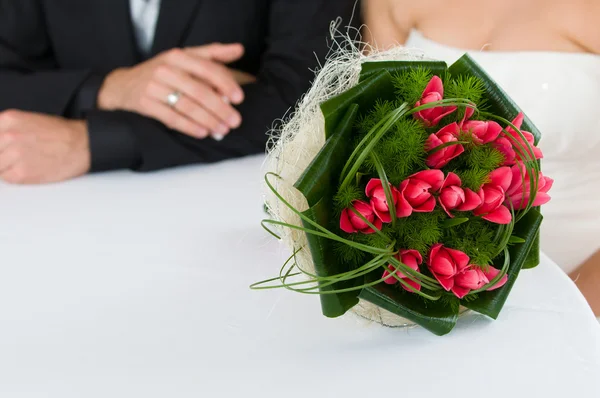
224,53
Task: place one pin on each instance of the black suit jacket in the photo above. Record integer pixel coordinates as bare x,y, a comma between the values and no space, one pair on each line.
54,55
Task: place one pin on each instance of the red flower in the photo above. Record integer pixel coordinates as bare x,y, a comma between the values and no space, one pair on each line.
410,258
474,278
444,263
351,223
511,150
453,197
417,189
483,131
379,201
518,191
504,145
433,92
493,196
452,270
442,157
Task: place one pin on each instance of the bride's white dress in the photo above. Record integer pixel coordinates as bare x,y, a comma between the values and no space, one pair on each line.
560,92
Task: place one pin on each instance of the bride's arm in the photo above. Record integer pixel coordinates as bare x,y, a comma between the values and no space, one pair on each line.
385,26
587,278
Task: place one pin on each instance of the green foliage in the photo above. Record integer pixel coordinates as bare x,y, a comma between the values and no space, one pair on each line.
483,157
450,300
470,297
402,151
366,122
475,238
473,178
344,197
410,84
377,240
349,254
419,231
468,87
475,165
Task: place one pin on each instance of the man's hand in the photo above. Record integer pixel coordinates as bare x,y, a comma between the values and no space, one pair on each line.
36,148
207,88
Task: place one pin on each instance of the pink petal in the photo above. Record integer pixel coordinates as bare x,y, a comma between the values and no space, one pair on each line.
445,209
345,224
412,283
447,283
376,223
447,154
493,131
491,273
468,113
499,216
546,183
541,199
435,85
433,252
432,142
384,216
363,208
492,197
447,110
403,208
518,121
519,175
503,145
460,292
502,177
471,278
452,179
435,178
443,265
472,201
426,207
460,258
452,128
411,258
389,276
372,185
437,160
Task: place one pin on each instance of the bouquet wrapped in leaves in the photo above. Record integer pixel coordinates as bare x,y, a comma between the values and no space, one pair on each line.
407,191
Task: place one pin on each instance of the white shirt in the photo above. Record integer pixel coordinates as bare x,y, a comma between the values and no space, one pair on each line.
144,15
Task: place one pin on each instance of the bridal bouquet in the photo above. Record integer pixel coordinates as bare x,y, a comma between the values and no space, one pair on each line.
421,198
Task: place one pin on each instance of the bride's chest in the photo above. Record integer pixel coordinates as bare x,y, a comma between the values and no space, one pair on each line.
561,94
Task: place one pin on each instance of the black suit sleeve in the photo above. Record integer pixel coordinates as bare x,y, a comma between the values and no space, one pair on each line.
29,78
297,38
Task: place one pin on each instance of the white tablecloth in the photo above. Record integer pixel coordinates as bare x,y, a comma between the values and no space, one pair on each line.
123,285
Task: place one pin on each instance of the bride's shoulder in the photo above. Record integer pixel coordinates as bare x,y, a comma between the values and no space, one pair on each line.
580,19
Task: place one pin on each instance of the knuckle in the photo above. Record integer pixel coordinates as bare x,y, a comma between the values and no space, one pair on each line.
144,102
203,118
219,107
9,137
9,116
186,106
16,175
161,71
172,120
197,92
174,54
150,89
15,153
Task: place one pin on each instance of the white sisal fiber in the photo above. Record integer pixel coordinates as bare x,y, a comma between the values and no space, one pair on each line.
295,144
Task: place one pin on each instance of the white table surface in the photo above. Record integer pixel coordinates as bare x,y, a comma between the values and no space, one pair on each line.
124,285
